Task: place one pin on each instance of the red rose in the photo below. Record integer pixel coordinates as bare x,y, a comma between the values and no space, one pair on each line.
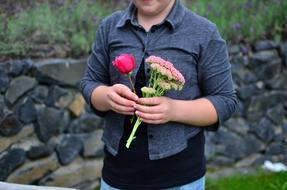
125,63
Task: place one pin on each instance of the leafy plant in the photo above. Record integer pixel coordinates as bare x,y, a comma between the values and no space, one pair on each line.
72,24
247,20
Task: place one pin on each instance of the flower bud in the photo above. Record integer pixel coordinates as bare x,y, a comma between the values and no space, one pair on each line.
125,63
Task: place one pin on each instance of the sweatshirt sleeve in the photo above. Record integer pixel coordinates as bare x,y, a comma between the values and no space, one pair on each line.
215,78
96,73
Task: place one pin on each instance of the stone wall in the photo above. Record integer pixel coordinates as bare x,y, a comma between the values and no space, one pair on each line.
258,131
48,136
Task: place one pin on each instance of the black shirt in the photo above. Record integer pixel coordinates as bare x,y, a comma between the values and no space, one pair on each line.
132,169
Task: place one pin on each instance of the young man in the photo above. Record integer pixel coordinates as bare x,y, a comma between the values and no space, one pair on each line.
168,152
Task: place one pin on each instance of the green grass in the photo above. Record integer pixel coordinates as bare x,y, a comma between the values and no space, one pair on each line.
70,26
260,181
245,20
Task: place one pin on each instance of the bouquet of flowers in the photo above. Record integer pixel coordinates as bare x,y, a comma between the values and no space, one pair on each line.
163,77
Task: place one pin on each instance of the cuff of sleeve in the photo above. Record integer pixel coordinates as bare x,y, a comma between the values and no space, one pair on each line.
217,105
88,94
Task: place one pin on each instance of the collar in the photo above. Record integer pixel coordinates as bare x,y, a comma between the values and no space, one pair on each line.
174,18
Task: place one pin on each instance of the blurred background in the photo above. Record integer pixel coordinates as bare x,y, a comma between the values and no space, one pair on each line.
48,136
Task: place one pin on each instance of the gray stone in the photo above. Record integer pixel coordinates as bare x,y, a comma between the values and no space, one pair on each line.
262,57
252,144
17,67
263,102
219,136
260,85
93,146
10,125
248,161
222,161
60,71
39,94
50,122
276,114
10,161
268,70
2,105
284,128
69,148
40,151
283,50
19,87
237,62
266,45
241,147
247,91
245,75
265,130
86,123
232,143
88,185
279,137
26,143
260,161
4,81
233,49
59,97
77,107
31,171
238,125
231,171
6,142
279,82
75,173
235,146
26,111
275,148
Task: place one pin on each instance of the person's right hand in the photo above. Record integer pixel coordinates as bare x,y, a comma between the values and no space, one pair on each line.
121,99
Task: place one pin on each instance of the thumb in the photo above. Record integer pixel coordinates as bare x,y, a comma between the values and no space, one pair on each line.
126,92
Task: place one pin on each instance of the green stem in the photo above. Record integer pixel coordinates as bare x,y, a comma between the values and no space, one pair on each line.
130,79
132,135
151,78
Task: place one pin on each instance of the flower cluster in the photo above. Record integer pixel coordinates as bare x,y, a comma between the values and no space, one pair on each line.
163,77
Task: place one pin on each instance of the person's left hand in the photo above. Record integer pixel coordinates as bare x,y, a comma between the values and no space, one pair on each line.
155,110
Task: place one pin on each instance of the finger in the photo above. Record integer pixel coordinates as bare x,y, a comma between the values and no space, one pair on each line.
124,91
126,113
149,101
147,109
148,116
116,98
121,108
151,121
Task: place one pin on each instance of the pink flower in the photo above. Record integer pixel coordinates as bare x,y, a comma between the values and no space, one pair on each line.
176,75
125,63
163,77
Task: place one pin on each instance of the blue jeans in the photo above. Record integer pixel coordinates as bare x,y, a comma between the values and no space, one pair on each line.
196,185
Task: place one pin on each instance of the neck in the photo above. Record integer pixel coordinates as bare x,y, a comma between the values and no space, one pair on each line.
147,21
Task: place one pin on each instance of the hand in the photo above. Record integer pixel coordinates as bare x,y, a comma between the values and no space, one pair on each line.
121,99
155,110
